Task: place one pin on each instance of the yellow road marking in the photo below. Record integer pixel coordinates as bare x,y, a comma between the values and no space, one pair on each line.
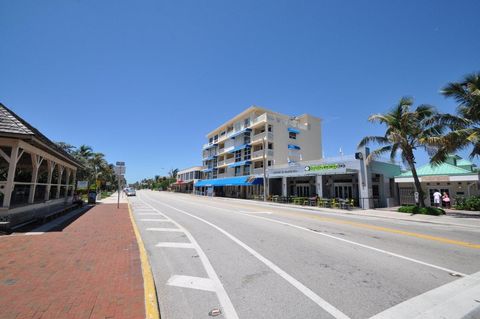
151,304
395,231
380,228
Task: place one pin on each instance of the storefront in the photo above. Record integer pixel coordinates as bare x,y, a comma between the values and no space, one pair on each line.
236,187
456,177
345,177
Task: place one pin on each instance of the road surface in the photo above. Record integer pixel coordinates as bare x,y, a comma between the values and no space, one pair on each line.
245,259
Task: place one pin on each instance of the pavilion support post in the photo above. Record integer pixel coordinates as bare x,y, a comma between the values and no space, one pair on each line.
59,180
12,166
36,161
51,167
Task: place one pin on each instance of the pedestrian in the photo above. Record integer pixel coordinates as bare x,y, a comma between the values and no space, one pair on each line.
446,200
436,198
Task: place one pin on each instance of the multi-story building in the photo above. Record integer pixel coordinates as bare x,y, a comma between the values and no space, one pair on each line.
258,138
186,178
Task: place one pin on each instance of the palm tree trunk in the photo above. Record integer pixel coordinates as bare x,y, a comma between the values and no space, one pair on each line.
418,185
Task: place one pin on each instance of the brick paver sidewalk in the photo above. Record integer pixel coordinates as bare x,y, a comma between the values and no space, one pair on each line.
91,269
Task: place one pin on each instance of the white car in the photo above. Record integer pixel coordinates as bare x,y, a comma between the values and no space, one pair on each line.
130,192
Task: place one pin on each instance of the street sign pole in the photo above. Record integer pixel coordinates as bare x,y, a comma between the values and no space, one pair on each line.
119,170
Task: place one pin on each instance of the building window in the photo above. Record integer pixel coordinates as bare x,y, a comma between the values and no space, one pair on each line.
292,135
246,170
247,154
247,122
270,128
238,156
269,163
237,170
270,146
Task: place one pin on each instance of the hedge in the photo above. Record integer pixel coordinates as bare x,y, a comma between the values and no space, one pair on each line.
469,203
421,210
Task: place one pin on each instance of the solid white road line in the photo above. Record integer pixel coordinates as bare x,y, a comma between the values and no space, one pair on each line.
192,282
303,289
165,229
155,220
453,300
227,306
250,212
450,271
150,214
175,245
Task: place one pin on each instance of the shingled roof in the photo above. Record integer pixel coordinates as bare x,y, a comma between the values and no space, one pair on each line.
9,123
13,125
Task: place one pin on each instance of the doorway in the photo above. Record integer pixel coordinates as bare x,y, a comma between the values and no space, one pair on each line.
343,191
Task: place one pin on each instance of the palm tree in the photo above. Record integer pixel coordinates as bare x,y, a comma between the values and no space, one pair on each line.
68,148
467,94
173,173
406,130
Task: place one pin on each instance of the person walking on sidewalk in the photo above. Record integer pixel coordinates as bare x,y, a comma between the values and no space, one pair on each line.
436,198
446,200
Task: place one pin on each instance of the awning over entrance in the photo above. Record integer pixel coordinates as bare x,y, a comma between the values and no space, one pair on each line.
293,130
230,181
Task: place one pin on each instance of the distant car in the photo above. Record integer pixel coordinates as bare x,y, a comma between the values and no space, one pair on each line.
130,192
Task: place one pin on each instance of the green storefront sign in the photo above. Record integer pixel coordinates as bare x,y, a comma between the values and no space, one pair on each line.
324,167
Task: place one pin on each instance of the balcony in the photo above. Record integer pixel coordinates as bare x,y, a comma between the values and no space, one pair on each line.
259,154
230,160
258,138
258,171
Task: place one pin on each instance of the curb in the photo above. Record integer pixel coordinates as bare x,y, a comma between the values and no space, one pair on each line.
151,303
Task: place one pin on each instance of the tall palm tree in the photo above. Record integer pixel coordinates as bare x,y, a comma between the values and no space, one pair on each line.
467,133
406,130
68,148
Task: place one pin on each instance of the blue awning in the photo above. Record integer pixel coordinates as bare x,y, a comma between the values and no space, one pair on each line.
293,147
238,148
293,130
240,132
235,164
230,181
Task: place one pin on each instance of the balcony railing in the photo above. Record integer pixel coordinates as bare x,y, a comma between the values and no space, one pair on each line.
259,153
230,160
258,171
261,136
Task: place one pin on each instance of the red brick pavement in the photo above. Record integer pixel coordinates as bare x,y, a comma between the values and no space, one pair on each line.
91,269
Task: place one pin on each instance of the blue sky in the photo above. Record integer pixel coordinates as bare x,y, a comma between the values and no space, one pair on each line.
144,81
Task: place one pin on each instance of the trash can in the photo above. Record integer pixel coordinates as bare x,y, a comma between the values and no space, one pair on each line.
92,197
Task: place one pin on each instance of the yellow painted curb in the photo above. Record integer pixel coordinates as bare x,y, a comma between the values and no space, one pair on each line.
151,304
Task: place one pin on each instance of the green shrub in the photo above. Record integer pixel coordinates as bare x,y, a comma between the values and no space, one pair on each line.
421,210
469,203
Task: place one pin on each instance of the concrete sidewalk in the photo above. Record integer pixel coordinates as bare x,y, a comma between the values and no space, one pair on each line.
90,269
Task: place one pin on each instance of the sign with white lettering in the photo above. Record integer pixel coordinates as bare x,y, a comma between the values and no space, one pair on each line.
82,185
302,170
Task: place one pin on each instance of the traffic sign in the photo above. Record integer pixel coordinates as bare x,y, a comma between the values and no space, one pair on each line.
120,163
119,170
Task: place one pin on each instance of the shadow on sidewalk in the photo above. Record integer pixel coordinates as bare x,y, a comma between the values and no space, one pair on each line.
58,224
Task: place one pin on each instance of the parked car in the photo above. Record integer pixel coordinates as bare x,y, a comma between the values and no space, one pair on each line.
130,192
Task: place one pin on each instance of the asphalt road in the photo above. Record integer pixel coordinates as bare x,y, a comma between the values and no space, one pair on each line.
249,260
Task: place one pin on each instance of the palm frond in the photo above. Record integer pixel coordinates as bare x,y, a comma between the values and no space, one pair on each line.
373,139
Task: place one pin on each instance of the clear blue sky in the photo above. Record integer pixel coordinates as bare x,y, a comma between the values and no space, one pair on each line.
144,81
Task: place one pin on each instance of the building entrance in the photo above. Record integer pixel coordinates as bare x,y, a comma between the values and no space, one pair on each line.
344,191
